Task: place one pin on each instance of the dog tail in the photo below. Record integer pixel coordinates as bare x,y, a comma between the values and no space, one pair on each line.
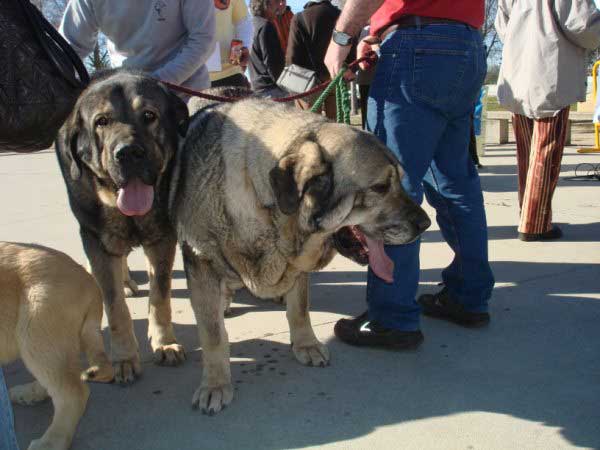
100,370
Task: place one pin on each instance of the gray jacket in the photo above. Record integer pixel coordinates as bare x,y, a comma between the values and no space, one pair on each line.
544,57
169,39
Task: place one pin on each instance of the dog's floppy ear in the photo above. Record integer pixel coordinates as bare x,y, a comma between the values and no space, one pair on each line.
180,112
284,185
69,139
301,173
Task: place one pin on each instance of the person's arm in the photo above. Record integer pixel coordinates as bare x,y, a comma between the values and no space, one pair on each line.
579,21
199,21
274,59
354,16
79,27
502,16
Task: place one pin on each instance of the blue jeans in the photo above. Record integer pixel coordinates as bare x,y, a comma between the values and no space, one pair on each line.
421,99
8,440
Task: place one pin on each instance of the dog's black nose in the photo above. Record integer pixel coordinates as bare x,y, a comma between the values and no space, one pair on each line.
129,152
422,223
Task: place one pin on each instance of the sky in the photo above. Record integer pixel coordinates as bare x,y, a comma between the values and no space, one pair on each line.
296,5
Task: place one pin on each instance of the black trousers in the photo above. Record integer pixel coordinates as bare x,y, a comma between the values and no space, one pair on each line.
234,80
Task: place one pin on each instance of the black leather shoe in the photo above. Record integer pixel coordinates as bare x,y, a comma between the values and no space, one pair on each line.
441,306
365,332
554,233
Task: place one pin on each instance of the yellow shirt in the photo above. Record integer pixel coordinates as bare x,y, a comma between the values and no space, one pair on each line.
226,21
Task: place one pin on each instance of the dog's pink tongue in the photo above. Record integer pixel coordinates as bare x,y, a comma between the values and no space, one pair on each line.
379,262
135,199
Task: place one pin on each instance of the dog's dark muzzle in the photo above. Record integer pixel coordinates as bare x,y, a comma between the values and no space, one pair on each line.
133,161
126,154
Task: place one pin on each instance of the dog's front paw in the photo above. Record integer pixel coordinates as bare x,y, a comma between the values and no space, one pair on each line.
98,374
169,355
128,370
211,400
313,354
28,394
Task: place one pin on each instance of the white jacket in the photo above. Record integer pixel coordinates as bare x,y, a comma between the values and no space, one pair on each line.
544,56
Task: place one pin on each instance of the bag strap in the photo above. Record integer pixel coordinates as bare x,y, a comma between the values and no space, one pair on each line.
58,50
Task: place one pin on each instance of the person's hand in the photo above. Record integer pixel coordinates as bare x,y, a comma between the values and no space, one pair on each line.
362,49
335,57
244,57
235,56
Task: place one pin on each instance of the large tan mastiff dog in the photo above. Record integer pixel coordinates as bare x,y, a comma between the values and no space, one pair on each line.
258,192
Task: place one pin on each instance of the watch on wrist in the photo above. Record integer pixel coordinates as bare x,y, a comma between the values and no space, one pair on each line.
341,38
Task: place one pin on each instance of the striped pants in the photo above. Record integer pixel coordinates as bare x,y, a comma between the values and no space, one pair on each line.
540,145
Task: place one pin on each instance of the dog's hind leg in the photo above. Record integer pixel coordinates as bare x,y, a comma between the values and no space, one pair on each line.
28,394
215,391
108,271
130,286
55,364
160,258
100,370
305,345
227,295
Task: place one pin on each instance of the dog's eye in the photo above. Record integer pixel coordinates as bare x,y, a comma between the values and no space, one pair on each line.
380,188
102,121
149,116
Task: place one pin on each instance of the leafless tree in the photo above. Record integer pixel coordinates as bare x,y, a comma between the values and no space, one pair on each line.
488,32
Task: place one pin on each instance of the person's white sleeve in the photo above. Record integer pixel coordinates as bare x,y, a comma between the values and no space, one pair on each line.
245,31
502,16
580,22
79,26
199,21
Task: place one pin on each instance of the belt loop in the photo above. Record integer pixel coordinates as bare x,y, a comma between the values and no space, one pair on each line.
418,22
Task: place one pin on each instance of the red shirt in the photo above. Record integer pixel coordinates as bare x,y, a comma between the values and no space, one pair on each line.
467,11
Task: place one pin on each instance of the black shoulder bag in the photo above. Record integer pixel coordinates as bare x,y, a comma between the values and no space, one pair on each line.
41,77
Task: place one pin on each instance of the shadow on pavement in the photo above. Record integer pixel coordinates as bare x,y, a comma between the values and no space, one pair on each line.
538,361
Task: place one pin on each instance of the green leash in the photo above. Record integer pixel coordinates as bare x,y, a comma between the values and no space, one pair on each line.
342,99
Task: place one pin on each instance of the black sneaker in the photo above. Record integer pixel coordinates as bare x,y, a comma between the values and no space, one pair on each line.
362,331
441,306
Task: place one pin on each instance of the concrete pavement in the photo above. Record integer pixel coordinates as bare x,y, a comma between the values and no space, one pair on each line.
529,381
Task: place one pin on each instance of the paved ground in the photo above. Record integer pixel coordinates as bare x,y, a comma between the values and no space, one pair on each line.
529,381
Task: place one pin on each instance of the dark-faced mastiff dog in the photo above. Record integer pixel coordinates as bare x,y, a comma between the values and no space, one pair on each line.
116,153
259,190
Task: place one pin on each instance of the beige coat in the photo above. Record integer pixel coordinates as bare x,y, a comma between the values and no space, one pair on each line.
544,57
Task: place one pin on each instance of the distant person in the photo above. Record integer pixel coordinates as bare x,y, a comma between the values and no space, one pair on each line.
310,34
169,40
282,21
266,56
543,71
233,38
